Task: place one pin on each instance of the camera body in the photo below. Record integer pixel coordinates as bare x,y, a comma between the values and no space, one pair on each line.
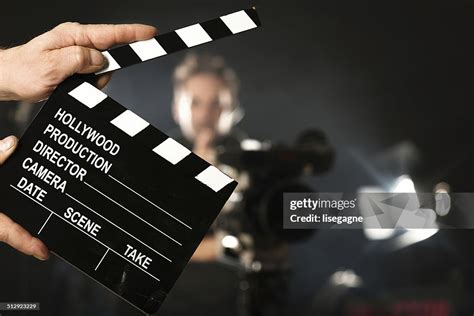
254,214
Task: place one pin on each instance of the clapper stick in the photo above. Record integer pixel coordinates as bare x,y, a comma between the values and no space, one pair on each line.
109,193
180,39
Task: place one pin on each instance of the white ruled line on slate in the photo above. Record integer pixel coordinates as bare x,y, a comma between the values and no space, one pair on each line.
158,207
157,229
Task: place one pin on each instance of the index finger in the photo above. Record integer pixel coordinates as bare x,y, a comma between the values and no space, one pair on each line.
99,36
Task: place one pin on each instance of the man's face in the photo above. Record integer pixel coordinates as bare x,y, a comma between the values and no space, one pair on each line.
209,97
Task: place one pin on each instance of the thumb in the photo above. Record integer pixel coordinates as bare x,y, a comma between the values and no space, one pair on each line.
78,59
7,147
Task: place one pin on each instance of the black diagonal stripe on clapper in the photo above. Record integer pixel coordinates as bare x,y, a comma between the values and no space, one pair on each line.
126,54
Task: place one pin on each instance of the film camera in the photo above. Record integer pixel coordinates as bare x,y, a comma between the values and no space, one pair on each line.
250,226
254,215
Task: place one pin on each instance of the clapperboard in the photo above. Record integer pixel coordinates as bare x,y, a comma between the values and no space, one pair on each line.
108,192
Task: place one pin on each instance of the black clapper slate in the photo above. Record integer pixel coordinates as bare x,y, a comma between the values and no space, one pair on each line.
136,216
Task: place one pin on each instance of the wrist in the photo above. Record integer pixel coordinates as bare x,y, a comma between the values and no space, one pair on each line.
6,91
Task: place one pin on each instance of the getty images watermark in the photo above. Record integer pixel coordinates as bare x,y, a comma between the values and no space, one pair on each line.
378,210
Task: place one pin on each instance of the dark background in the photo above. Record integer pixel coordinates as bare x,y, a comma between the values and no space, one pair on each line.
371,74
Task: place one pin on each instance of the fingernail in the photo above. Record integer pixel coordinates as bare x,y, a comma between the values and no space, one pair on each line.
44,255
97,59
7,143
41,252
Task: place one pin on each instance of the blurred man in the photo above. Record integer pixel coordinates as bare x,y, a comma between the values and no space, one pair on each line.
206,109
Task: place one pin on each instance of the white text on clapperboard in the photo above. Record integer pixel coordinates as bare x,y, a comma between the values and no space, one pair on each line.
64,163
77,152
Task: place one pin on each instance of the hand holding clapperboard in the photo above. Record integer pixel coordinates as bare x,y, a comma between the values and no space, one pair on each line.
108,192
